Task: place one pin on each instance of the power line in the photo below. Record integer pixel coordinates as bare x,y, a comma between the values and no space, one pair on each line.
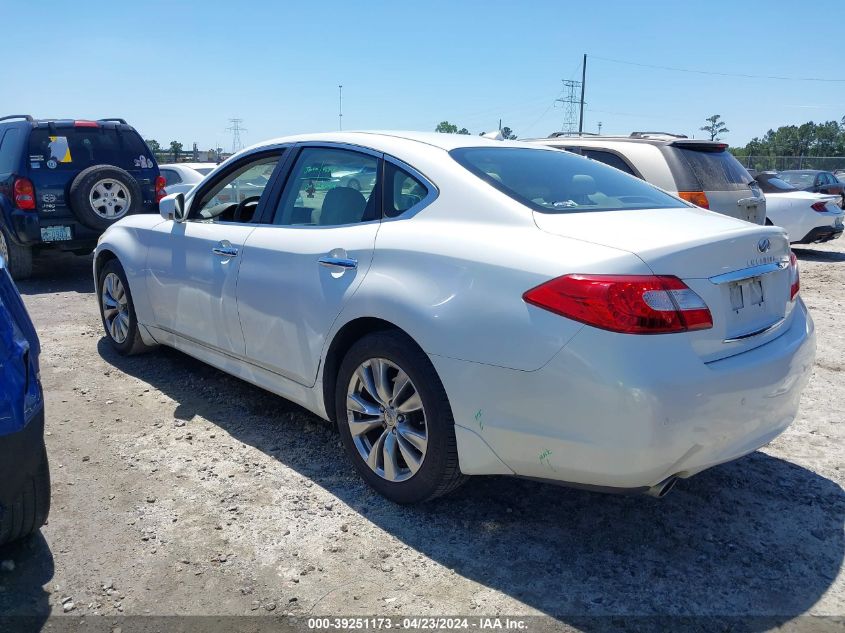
719,74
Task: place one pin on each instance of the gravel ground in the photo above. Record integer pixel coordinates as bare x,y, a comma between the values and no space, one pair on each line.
180,490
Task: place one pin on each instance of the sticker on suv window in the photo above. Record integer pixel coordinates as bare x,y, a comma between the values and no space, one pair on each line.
59,149
143,163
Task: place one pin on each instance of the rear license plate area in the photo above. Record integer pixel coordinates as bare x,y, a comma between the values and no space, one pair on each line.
56,233
747,293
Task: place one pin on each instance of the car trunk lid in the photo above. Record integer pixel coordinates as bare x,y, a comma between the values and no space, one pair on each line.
740,270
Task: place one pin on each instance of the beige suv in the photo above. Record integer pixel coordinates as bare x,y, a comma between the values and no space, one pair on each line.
702,172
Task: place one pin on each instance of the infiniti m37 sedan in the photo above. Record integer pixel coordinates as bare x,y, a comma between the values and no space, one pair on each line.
478,307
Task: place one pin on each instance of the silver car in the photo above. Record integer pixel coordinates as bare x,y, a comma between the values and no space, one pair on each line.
699,171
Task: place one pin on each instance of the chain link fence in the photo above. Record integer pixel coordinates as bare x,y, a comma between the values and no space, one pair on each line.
781,163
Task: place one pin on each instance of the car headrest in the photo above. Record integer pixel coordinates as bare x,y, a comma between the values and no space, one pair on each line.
582,185
342,205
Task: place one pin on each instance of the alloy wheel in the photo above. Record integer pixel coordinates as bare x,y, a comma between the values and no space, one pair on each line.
110,199
115,308
387,419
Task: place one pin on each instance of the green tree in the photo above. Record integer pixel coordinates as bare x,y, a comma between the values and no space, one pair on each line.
508,134
715,126
446,128
463,130
153,145
175,150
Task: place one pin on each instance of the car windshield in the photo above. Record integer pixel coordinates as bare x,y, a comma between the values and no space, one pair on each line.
770,183
714,168
553,181
800,179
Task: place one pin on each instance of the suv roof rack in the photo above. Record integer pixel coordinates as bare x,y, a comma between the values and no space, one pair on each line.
27,117
651,134
116,120
559,134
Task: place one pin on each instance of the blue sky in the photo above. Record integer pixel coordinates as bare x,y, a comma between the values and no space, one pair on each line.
179,70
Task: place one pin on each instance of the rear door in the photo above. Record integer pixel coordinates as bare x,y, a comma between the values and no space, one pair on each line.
60,150
702,166
297,272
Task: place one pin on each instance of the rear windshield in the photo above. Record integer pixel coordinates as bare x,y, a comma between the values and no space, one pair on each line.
772,184
714,169
204,170
800,179
66,148
560,182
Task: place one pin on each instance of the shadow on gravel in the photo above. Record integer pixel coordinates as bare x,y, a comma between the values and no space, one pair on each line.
54,271
757,537
813,255
22,589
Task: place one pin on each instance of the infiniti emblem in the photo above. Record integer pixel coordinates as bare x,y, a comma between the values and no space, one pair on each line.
763,245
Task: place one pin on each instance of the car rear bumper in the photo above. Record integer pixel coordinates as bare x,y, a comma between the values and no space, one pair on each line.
20,458
821,234
627,412
26,230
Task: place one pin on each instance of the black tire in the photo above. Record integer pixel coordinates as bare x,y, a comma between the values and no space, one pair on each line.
29,511
19,260
439,473
84,183
132,344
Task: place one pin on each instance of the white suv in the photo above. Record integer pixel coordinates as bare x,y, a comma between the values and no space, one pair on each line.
702,172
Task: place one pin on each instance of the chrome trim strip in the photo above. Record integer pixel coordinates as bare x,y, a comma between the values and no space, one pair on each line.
339,262
748,273
766,329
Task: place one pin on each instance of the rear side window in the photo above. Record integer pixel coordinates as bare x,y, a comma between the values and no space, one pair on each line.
609,158
10,148
402,191
712,169
171,177
560,182
65,148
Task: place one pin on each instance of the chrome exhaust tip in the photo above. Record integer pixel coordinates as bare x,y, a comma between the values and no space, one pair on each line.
663,488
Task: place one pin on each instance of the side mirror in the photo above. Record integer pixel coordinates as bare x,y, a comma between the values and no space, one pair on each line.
172,207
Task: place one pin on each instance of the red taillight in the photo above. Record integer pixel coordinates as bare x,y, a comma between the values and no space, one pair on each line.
819,207
698,198
24,194
161,183
632,304
795,281
85,124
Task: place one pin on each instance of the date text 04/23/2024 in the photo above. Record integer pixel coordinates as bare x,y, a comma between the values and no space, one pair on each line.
429,623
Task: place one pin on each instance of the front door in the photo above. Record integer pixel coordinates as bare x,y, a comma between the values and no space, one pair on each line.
193,265
297,273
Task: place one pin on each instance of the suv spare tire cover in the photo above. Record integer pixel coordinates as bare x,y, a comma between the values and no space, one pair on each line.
87,188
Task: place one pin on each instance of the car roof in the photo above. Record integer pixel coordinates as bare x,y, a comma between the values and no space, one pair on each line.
189,165
375,139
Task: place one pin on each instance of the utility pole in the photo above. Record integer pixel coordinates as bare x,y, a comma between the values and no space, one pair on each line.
599,127
340,107
236,130
583,82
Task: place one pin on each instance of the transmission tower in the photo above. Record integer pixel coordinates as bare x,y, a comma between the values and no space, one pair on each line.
569,102
236,130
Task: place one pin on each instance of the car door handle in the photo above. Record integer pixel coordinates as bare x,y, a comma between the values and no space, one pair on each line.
338,262
225,251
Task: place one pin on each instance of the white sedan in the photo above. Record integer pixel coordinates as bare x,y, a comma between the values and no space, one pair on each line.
182,177
807,217
488,308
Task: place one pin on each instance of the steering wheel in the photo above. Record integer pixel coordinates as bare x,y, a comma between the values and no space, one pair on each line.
242,205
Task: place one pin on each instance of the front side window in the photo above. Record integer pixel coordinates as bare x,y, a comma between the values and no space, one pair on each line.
235,197
402,190
559,182
330,187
